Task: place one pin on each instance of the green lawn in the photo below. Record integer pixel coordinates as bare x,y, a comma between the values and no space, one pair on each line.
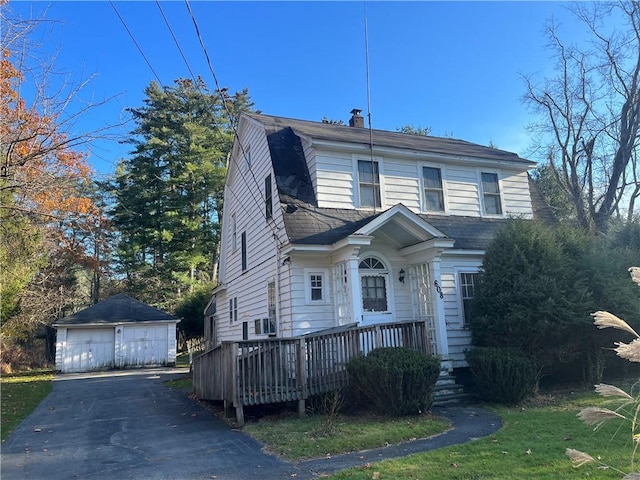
19,395
297,438
531,444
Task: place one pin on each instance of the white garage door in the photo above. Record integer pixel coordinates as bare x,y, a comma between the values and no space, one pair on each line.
144,345
89,349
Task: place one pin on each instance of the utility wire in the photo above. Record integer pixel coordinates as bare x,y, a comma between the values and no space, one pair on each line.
231,119
196,83
135,42
166,21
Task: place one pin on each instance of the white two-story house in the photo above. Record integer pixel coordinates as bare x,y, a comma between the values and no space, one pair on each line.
328,225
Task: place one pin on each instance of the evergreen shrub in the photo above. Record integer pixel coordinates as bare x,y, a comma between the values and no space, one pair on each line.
396,380
502,375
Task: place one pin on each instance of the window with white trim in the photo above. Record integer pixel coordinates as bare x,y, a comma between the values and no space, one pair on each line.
233,309
243,241
369,183
316,285
432,188
491,202
269,324
468,282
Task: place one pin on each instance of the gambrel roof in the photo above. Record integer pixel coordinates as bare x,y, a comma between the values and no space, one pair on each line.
117,309
383,138
308,224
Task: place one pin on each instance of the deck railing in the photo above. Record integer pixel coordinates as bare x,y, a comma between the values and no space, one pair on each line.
291,369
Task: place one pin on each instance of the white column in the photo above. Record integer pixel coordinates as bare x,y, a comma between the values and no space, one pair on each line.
354,289
438,307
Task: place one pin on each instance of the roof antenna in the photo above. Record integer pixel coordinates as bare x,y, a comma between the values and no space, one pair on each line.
366,56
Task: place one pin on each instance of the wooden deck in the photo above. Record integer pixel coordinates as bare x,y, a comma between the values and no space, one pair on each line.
257,372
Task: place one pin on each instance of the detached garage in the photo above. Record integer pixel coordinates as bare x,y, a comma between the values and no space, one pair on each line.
119,332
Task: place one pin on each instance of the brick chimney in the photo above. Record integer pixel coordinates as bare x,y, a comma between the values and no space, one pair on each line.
356,119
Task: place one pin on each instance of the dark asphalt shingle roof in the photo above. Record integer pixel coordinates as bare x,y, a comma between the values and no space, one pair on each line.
383,138
309,225
120,308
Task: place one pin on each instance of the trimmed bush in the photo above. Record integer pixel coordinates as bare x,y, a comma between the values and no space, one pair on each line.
396,380
502,374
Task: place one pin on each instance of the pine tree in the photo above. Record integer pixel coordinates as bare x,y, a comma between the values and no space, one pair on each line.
168,194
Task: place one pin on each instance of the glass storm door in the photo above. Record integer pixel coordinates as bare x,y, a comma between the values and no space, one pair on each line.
375,295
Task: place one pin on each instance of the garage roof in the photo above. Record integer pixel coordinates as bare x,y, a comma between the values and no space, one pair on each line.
120,308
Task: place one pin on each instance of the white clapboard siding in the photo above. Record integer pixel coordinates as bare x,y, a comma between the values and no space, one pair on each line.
461,191
335,182
263,263
517,197
307,316
401,184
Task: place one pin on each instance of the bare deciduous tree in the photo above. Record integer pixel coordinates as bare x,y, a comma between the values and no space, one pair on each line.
590,113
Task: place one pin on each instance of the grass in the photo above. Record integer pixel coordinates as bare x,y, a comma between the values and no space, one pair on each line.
180,383
300,438
19,395
182,359
531,444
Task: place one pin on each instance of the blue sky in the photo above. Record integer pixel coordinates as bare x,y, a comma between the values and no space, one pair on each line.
452,66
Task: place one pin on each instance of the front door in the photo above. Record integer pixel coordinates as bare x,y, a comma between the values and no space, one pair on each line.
375,293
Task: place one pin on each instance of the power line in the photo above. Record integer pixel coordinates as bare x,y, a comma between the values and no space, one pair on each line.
166,21
135,42
230,116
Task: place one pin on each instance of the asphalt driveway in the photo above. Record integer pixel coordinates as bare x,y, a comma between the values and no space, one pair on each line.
127,425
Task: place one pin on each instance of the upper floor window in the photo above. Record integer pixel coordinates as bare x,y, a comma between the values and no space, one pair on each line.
244,250
268,201
234,233
369,183
468,282
491,202
433,191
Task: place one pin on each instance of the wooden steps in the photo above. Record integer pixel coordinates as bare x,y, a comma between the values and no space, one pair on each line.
447,391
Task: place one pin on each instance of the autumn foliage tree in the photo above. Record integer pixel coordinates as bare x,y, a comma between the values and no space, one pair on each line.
48,218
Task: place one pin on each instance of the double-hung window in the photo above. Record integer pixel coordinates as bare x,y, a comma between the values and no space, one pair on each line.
491,202
468,282
369,183
233,309
433,191
243,241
